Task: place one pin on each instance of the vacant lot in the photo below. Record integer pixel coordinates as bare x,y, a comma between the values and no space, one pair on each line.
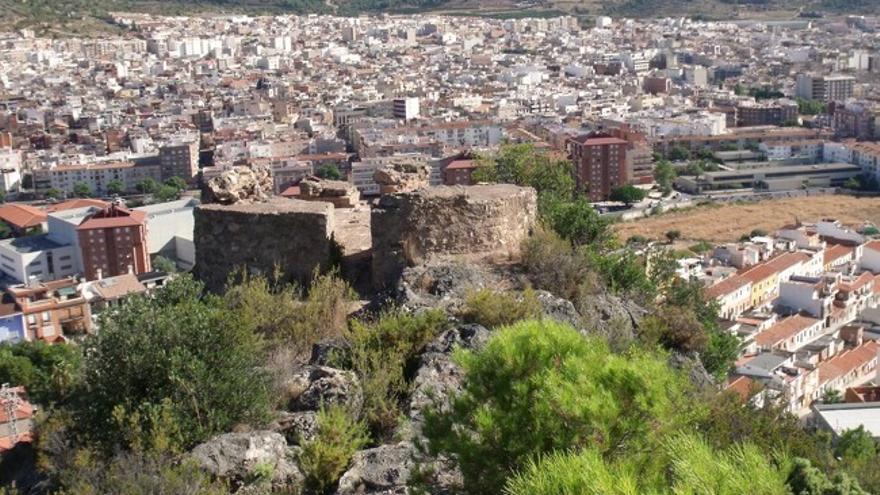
729,222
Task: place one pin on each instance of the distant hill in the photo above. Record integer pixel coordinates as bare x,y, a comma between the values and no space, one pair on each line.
87,16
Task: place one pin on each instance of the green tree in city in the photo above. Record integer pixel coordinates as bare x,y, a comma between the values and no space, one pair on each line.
664,174
810,107
115,187
166,193
82,190
628,194
678,154
329,172
52,193
147,186
48,372
176,183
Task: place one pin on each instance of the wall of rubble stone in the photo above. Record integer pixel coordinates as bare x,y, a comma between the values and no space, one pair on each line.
294,235
484,222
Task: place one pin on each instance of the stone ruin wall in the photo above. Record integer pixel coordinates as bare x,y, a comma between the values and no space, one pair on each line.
474,223
291,234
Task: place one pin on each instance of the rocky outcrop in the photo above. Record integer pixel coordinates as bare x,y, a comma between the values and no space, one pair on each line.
462,223
613,317
340,194
402,177
250,183
298,427
691,366
384,470
438,377
293,236
559,309
314,386
237,457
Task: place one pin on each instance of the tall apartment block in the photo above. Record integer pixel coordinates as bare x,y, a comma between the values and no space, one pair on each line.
113,242
825,88
180,159
600,164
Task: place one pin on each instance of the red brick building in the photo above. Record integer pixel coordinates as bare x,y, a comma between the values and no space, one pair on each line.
600,164
459,172
114,241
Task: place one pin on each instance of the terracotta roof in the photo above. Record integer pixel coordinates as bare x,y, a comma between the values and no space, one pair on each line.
742,386
784,329
873,245
113,216
856,284
77,203
22,216
726,286
461,165
598,141
847,361
291,192
119,286
836,252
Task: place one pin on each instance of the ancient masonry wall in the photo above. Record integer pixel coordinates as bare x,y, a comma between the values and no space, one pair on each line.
293,235
484,222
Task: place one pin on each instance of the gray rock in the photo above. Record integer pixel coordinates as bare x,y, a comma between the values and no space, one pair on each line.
297,427
329,352
617,319
438,378
314,386
238,456
559,309
691,365
382,470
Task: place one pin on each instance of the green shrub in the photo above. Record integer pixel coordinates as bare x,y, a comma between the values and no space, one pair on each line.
324,459
175,346
380,352
286,315
495,308
539,386
692,467
48,372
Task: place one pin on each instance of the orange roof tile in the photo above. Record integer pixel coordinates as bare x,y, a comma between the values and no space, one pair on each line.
726,286
835,252
22,216
76,203
784,329
847,361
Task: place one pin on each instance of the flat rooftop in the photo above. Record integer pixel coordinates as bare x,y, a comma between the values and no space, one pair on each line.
30,244
842,417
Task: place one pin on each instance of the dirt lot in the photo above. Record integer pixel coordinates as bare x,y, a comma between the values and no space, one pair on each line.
729,222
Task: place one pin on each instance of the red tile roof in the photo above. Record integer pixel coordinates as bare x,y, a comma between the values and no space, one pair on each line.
112,217
847,361
726,286
462,165
22,216
784,330
836,252
77,203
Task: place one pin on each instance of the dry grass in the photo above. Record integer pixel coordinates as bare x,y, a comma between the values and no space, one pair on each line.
729,222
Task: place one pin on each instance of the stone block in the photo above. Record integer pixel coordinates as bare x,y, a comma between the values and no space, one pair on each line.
462,223
294,235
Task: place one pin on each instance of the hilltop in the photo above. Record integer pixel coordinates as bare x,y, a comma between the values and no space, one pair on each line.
79,17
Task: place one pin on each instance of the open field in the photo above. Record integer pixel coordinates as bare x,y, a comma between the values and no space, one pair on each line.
728,222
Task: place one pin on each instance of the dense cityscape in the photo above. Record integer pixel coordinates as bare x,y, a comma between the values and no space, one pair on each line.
388,254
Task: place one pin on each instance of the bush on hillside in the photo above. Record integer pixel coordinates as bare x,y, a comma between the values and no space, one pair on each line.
540,387
496,308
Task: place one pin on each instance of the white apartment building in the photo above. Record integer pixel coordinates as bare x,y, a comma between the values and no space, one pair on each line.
95,175
37,257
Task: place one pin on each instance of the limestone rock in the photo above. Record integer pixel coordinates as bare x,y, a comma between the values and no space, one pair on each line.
329,352
297,427
340,193
240,183
449,223
382,470
559,309
402,177
313,386
611,316
691,365
235,457
438,377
